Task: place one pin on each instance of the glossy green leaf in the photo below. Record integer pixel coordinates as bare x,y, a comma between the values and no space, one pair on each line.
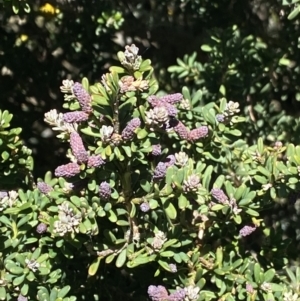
121,259
269,275
93,268
170,210
294,13
64,291
257,272
164,265
100,100
2,293
141,133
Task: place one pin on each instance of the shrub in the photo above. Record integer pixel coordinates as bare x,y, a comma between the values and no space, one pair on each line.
158,196
16,160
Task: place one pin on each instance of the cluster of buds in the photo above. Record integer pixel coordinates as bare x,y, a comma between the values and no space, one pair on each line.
173,267
231,109
41,228
163,109
81,155
181,159
104,191
56,120
158,240
161,168
78,148
130,58
67,170
67,122
192,293
247,230
108,136
44,188
222,198
83,97
7,199
185,104
160,171
157,116
95,161
219,195
191,135
198,133
67,220
66,88
106,132
178,295
78,116
129,130
159,293
181,130
145,207
156,150
128,83
32,264
191,184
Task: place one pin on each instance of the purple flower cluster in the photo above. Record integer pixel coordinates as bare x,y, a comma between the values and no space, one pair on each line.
219,195
41,228
247,230
95,161
44,188
159,293
178,295
166,102
220,118
156,150
163,115
161,168
132,125
68,170
198,133
182,131
170,160
83,97
78,116
170,98
104,190
145,207
78,148
160,171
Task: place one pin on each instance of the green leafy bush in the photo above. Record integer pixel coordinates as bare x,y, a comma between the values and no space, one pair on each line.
160,195
16,160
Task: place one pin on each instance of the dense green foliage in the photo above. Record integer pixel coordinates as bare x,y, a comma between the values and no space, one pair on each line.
163,179
246,51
